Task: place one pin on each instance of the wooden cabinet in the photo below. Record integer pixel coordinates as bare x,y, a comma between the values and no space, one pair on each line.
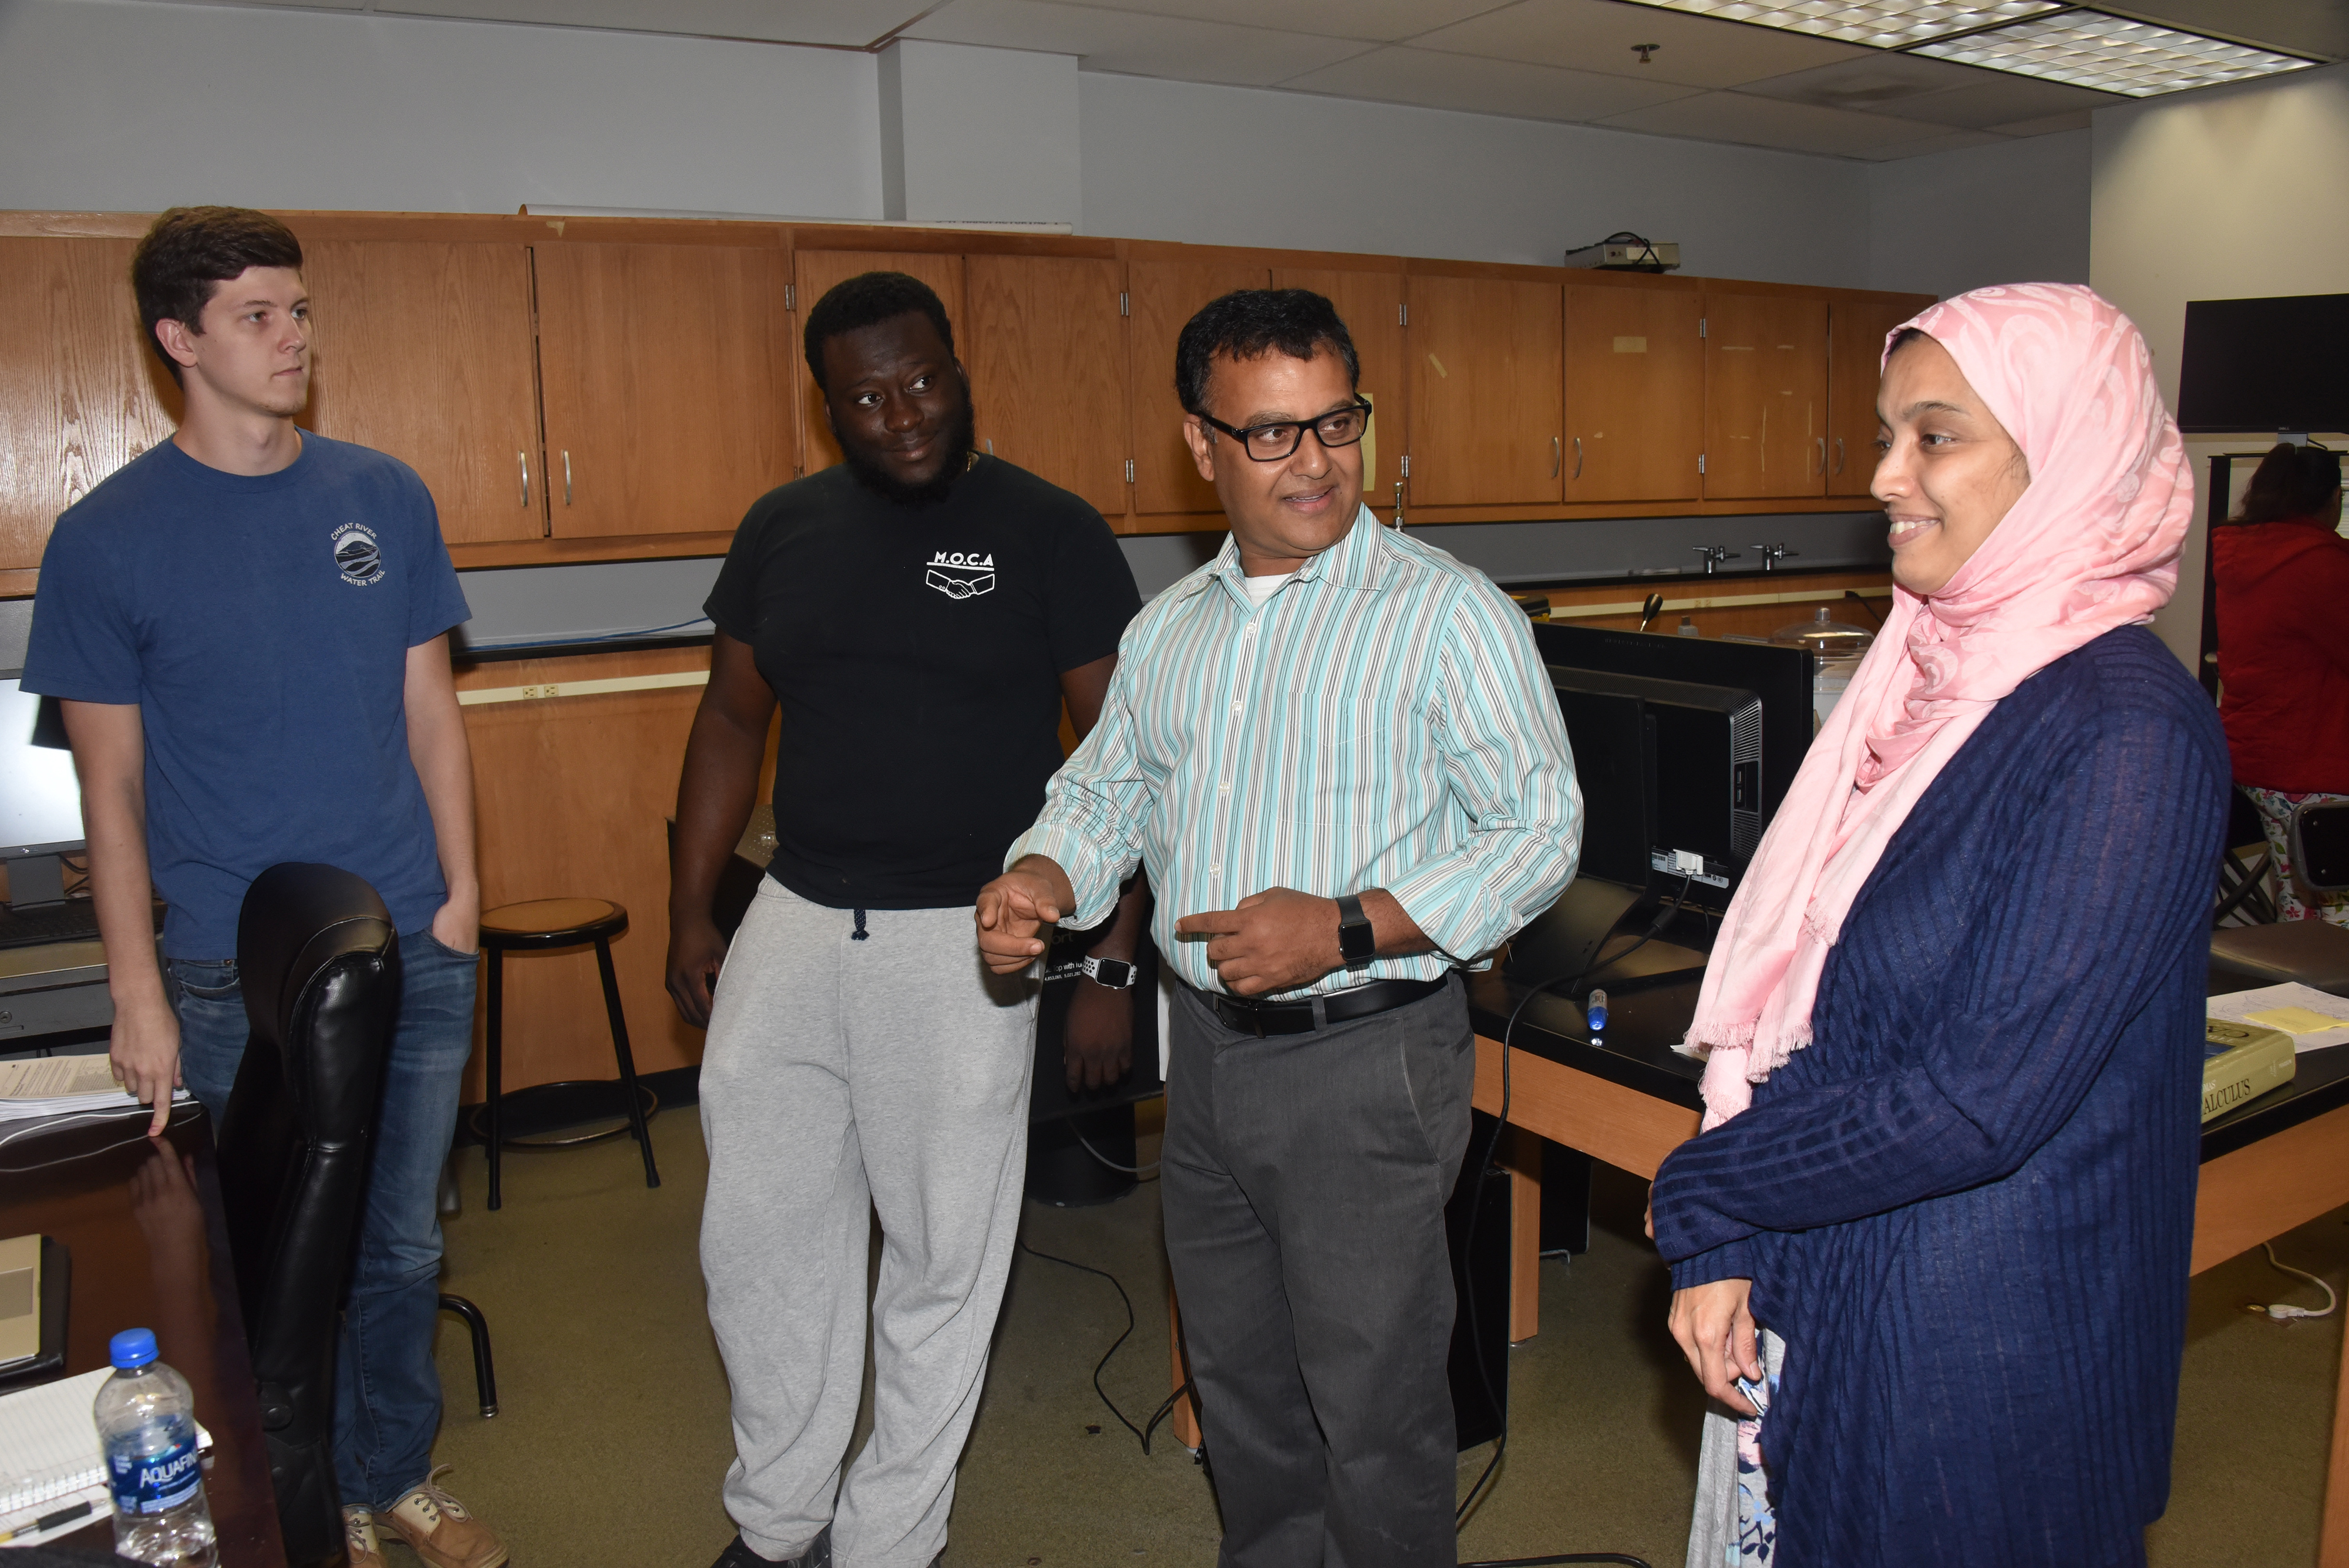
1166,295
1372,305
1045,347
425,350
1766,395
1634,393
1485,391
80,392
664,383
1855,334
816,272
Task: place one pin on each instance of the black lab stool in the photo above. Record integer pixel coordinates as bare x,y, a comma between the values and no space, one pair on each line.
536,926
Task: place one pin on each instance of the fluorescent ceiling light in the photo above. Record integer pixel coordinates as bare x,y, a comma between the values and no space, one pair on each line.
1880,24
2085,49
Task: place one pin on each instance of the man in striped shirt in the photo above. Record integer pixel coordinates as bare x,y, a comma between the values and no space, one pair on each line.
1336,752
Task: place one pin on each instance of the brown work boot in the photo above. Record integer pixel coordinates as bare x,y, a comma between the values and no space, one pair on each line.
359,1539
437,1528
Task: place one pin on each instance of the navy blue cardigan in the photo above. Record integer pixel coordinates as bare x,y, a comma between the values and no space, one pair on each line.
1967,1207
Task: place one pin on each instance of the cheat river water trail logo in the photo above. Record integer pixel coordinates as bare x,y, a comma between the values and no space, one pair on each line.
357,556
961,575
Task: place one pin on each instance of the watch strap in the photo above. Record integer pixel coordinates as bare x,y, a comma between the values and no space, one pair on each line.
1358,943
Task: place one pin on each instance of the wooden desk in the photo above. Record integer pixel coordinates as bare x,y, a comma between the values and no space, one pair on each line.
150,1251
2268,1167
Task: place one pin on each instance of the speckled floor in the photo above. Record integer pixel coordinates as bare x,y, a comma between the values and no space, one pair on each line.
613,1437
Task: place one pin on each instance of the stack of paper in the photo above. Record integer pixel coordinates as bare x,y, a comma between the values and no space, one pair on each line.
45,1086
2313,1018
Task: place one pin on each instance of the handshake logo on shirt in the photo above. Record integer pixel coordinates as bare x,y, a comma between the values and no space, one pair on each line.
960,576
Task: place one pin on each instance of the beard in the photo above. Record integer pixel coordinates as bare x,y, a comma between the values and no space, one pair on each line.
956,439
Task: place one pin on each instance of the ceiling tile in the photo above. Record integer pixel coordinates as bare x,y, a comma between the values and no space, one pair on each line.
1947,142
2077,119
1772,122
1938,91
1135,44
1598,36
1438,81
1376,21
848,22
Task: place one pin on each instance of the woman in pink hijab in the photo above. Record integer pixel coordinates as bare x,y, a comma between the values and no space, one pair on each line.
1939,1220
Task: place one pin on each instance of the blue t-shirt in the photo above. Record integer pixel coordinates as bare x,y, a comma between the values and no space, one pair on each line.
263,627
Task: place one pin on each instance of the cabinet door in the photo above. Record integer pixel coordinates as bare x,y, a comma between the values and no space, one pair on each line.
1856,344
1485,391
1634,393
424,350
80,392
1371,304
816,272
1048,369
1165,295
667,407
1766,395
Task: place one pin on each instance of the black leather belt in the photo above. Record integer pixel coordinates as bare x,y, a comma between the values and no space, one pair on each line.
1297,1017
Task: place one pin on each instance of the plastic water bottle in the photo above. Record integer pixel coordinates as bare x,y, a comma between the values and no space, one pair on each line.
147,1424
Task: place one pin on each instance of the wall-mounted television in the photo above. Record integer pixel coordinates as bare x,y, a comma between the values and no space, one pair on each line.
2280,364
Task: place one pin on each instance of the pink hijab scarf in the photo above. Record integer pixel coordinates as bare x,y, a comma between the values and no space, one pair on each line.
2092,545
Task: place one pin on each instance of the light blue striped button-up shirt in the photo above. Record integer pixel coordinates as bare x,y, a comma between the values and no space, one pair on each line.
1382,720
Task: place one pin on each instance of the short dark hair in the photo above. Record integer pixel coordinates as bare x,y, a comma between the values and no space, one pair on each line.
193,250
1248,324
866,300
2293,480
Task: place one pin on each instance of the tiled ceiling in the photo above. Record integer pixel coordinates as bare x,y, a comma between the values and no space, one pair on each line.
1578,61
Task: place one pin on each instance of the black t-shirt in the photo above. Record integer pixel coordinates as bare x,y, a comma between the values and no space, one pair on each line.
916,654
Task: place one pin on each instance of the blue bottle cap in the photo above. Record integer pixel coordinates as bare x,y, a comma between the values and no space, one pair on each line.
131,1347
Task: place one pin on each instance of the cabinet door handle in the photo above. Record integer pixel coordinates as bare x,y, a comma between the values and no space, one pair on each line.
566,477
1577,457
1823,454
523,458
1839,457
1556,454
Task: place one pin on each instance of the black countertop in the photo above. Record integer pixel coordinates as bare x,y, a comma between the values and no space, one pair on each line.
1636,1050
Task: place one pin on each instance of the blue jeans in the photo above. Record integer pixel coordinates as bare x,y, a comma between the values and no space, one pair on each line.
387,1389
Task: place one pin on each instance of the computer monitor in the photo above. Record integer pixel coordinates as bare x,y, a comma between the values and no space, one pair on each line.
40,798
2264,365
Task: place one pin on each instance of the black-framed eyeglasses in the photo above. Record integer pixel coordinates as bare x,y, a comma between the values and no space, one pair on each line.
1272,442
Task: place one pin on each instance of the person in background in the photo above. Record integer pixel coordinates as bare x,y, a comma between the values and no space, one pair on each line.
920,613
2281,571
1336,751
1955,1012
248,627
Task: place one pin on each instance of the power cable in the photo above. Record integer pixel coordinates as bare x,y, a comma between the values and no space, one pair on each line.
1602,960
1141,1433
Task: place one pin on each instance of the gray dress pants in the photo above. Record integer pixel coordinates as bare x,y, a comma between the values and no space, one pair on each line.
845,1075
1304,1180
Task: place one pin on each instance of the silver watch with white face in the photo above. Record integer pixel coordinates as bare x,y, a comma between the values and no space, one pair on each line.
1115,974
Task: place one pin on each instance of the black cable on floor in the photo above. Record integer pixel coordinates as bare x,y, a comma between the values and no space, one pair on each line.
1476,1212
1141,1433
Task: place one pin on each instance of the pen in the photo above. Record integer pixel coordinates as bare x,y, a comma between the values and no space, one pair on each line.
47,1522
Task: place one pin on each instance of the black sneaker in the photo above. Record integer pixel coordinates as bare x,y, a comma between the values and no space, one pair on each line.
737,1554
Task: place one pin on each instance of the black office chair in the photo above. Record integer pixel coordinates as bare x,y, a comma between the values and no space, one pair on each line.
319,961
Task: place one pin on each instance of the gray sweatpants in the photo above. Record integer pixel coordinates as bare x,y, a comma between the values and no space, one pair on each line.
843,1077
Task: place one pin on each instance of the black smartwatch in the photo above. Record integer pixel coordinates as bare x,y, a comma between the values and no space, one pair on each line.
1358,944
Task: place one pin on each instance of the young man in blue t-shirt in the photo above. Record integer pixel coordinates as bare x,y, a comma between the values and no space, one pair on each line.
248,627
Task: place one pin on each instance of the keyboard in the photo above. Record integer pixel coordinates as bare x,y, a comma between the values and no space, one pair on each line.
75,921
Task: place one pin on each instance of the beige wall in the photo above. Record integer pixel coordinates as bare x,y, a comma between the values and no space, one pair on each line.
2228,194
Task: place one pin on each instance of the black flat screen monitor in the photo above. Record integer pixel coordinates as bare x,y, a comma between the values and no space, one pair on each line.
1780,677
40,799
1614,743
2280,364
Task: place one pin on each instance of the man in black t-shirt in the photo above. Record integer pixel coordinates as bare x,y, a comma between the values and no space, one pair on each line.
919,613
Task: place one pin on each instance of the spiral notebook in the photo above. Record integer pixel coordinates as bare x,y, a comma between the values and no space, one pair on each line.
51,1464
